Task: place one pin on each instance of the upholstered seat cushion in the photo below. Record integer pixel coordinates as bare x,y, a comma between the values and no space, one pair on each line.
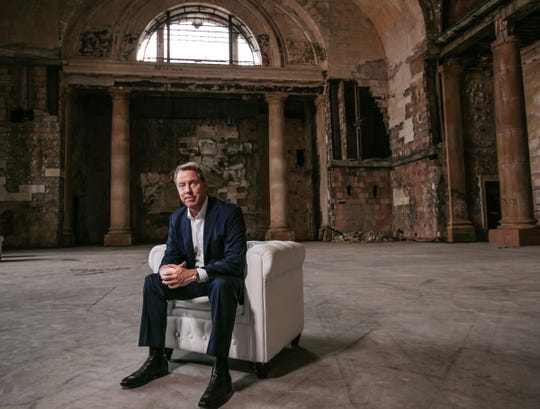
183,308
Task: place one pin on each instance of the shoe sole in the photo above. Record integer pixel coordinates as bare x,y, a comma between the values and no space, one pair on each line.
153,378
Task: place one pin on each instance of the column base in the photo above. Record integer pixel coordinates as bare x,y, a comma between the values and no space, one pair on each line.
508,237
279,234
461,233
118,238
68,238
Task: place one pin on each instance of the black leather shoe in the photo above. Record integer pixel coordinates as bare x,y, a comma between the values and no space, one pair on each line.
219,389
154,367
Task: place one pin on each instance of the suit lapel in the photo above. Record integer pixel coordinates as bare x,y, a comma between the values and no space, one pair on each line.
209,222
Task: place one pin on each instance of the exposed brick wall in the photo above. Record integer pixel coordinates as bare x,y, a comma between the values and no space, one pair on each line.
30,158
418,183
300,179
417,192
361,199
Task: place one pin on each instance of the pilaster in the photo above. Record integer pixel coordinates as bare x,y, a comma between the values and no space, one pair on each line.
119,231
517,226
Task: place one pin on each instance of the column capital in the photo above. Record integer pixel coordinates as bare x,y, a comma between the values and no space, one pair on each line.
119,92
451,66
319,100
504,34
276,97
503,28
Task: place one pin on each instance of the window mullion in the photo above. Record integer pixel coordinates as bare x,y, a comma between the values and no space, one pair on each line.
230,40
168,36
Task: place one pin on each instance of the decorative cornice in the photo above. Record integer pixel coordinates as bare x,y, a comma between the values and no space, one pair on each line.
170,77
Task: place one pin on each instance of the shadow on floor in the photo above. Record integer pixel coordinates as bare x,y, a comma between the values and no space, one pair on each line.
285,362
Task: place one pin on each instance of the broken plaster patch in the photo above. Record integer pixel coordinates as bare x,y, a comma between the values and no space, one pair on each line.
400,197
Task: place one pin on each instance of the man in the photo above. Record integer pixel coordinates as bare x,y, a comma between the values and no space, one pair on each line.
205,255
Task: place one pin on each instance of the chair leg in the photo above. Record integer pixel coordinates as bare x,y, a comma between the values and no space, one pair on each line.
261,369
168,353
296,340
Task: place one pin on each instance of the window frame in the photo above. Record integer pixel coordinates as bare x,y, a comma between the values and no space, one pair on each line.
163,22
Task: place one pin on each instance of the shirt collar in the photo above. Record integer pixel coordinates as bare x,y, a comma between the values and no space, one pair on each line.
202,212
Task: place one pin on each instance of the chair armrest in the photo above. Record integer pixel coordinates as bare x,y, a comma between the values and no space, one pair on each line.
274,295
155,256
273,258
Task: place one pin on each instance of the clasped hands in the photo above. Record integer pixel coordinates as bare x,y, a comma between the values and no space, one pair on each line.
177,275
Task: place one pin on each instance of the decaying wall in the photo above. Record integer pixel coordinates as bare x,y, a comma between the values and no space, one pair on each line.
222,134
480,147
531,67
227,134
80,51
417,171
30,157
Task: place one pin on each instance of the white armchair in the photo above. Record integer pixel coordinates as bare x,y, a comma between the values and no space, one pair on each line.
272,315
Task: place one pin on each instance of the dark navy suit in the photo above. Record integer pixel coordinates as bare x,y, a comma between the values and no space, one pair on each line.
224,257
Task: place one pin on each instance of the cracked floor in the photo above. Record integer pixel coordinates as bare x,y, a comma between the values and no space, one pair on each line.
391,325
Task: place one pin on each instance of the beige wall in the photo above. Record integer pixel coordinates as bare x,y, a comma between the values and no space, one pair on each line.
531,80
22,19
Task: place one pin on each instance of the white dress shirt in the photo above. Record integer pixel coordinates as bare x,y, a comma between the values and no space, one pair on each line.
197,237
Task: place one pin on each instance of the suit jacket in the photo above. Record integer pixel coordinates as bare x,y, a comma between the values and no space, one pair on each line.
224,239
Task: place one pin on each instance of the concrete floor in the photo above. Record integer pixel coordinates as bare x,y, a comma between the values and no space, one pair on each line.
391,325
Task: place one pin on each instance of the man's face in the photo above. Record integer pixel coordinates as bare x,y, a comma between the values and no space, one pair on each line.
191,189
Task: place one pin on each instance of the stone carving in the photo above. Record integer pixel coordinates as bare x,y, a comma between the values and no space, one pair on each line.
130,44
300,52
96,43
320,51
480,103
305,52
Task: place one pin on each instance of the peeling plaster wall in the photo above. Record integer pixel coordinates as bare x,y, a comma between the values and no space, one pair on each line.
223,135
30,159
415,189
417,179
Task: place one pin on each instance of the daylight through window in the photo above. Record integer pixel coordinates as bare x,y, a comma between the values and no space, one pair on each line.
198,34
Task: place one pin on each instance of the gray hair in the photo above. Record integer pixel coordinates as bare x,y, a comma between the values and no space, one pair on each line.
190,166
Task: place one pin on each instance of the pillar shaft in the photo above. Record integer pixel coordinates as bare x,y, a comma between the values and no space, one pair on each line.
67,229
277,161
512,145
322,151
459,226
119,231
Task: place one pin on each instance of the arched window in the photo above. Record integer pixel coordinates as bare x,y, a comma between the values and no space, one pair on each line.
198,34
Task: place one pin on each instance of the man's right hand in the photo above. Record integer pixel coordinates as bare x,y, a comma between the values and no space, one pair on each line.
177,275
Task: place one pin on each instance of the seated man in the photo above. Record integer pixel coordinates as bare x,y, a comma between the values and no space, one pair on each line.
205,255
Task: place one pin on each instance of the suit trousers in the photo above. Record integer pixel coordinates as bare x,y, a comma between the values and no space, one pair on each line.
223,293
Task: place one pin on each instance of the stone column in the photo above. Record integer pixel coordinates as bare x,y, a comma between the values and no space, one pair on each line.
119,231
517,226
322,150
277,162
459,226
68,239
